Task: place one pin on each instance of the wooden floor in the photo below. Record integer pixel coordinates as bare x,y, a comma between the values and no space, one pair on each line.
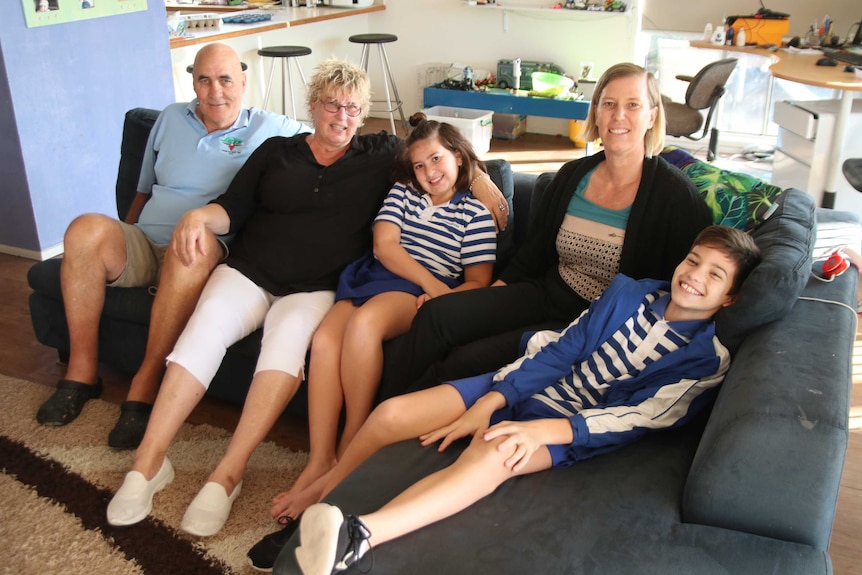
22,356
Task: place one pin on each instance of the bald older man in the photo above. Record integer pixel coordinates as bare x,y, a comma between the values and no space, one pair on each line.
193,153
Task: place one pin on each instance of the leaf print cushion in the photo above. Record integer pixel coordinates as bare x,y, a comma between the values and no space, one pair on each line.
736,200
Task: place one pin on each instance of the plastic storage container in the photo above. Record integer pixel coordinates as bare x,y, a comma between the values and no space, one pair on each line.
762,30
508,126
475,125
203,22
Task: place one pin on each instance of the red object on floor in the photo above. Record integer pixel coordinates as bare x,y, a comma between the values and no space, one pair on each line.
835,265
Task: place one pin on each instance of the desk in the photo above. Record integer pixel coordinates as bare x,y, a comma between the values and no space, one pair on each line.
803,68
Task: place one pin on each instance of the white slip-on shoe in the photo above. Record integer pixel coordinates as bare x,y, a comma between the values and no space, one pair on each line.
209,509
318,539
134,499
330,542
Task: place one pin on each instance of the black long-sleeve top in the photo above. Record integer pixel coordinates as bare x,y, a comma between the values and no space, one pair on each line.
298,223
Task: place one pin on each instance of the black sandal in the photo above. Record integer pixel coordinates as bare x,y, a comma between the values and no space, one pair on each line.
131,425
67,402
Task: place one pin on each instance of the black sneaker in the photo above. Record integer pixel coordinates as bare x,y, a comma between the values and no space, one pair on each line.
67,402
330,542
131,425
262,556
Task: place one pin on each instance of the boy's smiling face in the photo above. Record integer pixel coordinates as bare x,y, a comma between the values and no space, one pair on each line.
700,285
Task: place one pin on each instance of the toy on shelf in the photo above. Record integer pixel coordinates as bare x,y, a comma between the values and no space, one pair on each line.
506,78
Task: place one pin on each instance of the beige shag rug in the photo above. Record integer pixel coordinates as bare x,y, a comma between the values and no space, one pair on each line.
55,484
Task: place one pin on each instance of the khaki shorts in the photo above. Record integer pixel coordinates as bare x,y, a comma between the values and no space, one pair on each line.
144,259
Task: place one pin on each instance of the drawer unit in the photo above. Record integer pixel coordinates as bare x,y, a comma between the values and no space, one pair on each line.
801,159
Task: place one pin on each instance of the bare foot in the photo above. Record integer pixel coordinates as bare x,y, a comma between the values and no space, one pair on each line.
293,503
312,471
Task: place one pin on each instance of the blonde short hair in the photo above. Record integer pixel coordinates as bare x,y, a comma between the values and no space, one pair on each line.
654,137
333,77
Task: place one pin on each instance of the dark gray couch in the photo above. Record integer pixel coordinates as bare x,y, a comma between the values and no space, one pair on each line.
749,488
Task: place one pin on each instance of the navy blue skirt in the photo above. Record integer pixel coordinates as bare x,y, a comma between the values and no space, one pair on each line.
366,277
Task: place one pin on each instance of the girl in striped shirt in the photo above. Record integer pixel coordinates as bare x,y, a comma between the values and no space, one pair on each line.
431,237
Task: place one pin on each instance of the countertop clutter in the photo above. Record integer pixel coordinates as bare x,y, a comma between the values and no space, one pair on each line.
214,23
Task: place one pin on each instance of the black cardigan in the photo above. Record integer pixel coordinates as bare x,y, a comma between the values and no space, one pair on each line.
666,216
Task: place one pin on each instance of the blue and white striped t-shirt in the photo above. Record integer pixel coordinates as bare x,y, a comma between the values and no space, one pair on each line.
446,238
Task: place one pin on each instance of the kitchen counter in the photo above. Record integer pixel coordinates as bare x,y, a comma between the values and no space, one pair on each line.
282,17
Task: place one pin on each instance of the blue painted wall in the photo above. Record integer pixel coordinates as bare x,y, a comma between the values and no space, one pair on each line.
64,90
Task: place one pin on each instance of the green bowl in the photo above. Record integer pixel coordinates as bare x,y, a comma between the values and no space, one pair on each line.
551,85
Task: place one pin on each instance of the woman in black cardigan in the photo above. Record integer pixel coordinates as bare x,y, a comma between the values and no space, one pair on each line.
624,210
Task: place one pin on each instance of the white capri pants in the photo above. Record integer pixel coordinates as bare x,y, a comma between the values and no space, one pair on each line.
232,306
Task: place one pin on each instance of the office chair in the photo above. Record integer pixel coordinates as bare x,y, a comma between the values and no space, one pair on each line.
704,91
852,169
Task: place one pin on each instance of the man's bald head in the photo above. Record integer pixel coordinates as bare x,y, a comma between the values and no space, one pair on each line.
219,84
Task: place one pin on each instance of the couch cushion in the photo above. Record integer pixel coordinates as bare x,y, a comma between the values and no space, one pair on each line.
786,240
136,131
736,200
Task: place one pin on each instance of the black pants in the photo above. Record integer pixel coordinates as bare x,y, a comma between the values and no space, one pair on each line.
468,333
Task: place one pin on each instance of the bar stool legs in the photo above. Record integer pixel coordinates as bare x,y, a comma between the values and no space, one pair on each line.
393,100
285,54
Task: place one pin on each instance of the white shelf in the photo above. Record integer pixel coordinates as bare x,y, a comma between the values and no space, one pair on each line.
568,12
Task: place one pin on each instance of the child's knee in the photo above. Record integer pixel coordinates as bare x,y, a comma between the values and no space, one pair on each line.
386,415
487,452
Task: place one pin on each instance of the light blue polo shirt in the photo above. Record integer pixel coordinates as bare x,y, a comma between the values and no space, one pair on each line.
185,167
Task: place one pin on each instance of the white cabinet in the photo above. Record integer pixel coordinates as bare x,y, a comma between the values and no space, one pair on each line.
804,137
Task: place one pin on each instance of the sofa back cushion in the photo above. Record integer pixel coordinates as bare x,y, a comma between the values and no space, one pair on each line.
136,131
786,240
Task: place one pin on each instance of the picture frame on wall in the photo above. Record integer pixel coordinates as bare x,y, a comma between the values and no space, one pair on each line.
47,12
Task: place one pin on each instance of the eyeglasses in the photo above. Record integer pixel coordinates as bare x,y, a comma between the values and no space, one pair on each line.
332,107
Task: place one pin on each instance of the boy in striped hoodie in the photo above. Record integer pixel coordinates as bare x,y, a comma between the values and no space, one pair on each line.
644,356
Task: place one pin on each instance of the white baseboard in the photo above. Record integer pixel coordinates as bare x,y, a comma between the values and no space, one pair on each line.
33,254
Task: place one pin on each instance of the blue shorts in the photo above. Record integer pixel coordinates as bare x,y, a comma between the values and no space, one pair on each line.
472,388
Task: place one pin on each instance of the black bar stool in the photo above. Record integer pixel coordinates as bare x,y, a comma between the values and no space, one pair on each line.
388,80
285,53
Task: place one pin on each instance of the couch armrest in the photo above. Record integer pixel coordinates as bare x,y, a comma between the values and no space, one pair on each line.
771,456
